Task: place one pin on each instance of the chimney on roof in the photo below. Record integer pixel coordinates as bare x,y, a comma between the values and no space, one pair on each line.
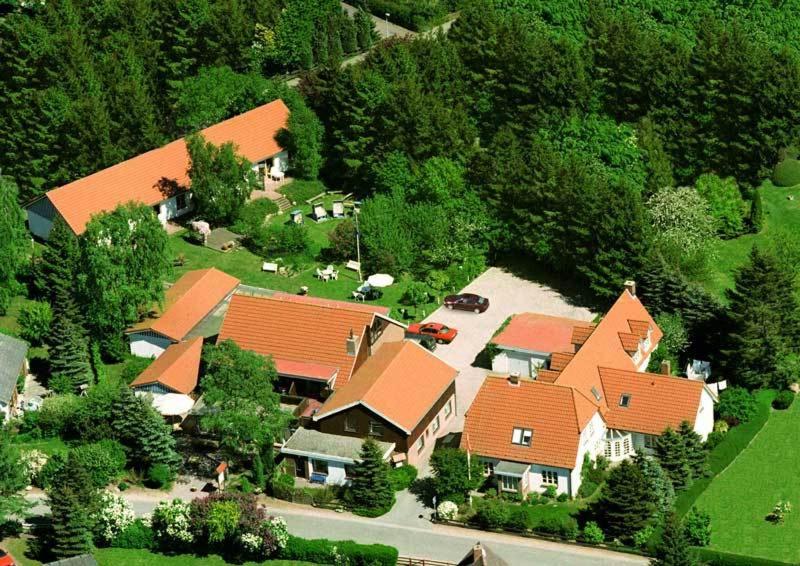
351,344
513,378
666,367
630,287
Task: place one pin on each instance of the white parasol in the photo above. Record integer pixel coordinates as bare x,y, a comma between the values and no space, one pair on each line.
380,280
171,404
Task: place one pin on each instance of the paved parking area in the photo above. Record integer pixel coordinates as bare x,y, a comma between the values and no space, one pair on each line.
507,295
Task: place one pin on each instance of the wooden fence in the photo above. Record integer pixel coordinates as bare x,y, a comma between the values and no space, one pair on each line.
411,561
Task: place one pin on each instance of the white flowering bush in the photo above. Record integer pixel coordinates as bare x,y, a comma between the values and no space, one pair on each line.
114,516
171,522
34,461
251,542
277,527
447,510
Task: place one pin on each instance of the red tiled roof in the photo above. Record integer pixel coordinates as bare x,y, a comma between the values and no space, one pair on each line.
307,370
581,333
547,375
559,360
548,410
401,382
656,401
176,369
538,333
297,330
138,179
189,301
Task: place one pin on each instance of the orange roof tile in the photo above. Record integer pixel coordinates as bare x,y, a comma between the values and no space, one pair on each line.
656,401
547,375
630,342
604,346
138,179
559,360
538,333
297,329
581,333
176,369
188,302
639,327
401,382
547,409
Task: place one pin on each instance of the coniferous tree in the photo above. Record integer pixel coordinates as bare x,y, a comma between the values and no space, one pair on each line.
370,487
365,30
14,240
696,455
627,503
763,315
659,482
670,450
673,550
13,481
73,499
258,472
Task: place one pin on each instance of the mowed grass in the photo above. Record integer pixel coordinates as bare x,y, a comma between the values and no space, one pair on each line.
246,266
118,556
739,499
781,226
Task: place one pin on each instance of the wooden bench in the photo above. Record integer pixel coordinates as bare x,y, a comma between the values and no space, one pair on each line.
354,265
269,267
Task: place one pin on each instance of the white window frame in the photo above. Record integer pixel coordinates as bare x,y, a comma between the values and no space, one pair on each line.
488,468
549,477
421,444
508,483
519,435
626,445
350,425
626,397
375,429
448,408
436,425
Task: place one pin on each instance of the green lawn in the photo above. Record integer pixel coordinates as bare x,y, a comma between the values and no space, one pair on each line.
47,445
739,499
246,266
781,225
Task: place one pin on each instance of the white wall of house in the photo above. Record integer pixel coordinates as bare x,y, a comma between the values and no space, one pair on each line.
536,481
40,218
704,422
517,361
591,442
170,208
5,411
336,472
147,345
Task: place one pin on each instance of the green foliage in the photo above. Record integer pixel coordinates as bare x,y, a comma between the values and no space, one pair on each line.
659,482
673,550
626,502
455,475
238,384
416,293
134,365
160,476
593,473
322,551
696,455
492,514
14,240
57,413
783,400
342,242
277,239
641,538
697,527
13,480
35,319
222,180
125,256
401,478
592,533
370,490
222,520
136,535
259,478
670,449
787,173
756,219
736,405
716,558
253,215
410,14
725,203
103,461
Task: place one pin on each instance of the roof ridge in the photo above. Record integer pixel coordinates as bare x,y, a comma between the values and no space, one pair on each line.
345,306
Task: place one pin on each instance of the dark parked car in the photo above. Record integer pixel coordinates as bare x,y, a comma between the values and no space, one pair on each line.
425,341
467,302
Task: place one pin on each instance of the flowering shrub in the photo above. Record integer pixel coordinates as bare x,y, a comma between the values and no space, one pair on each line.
777,515
447,510
277,527
251,542
171,523
34,461
114,516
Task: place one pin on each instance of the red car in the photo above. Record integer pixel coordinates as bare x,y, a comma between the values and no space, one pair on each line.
5,559
467,302
436,330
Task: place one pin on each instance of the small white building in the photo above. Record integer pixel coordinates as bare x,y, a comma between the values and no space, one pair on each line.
159,178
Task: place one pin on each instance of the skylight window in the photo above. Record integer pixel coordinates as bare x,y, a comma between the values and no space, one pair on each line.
596,393
522,436
624,400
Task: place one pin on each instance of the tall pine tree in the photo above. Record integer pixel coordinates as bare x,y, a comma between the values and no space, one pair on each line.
763,315
370,488
72,499
670,450
673,550
627,502
696,455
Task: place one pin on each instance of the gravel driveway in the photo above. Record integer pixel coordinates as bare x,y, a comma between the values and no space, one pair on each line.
507,295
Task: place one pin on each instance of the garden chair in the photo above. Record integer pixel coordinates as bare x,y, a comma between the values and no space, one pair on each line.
358,296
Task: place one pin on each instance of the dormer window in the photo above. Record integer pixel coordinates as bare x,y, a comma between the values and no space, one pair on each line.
624,400
596,393
522,436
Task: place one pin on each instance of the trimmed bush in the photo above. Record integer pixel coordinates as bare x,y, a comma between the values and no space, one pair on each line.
283,486
787,173
565,527
783,400
736,405
697,528
253,215
160,476
592,533
717,558
34,321
492,514
57,414
136,535
105,460
324,551
401,478
562,497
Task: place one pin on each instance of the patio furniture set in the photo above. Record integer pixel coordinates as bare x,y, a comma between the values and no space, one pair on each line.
327,274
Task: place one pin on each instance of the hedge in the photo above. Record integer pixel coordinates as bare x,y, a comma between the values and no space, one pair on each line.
729,447
321,551
416,15
787,173
717,558
401,478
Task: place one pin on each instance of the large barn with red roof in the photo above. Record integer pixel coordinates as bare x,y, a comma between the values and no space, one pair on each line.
159,177
588,393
